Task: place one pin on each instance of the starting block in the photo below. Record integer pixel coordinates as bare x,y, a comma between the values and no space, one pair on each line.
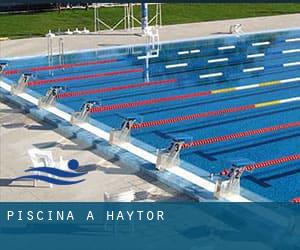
231,185
3,65
49,98
170,157
84,113
122,135
22,84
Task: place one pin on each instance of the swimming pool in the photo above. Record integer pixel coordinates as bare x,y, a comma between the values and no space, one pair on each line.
232,98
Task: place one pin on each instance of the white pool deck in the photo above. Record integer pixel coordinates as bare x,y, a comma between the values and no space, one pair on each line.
38,45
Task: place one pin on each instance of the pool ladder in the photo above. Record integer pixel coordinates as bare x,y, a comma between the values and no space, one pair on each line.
61,53
50,53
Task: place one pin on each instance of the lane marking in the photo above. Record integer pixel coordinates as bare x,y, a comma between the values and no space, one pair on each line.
256,55
183,52
292,40
147,56
178,65
195,51
218,60
291,64
253,69
211,75
290,51
261,43
226,47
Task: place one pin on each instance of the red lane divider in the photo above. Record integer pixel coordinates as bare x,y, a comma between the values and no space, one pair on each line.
65,66
191,117
240,134
148,102
278,161
110,89
71,78
265,164
296,200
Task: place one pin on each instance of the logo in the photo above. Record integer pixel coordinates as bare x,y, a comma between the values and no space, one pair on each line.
54,175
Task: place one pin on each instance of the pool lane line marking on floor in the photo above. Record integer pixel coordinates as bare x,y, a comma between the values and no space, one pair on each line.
226,47
261,43
225,59
238,135
80,77
186,52
211,75
253,69
178,65
290,51
176,119
116,88
194,51
292,40
65,66
256,55
190,177
187,96
291,64
147,56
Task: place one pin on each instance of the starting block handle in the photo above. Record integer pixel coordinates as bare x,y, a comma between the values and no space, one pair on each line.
84,113
122,135
169,157
3,65
50,97
22,83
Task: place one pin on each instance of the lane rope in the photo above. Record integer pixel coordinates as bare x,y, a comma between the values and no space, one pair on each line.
111,89
211,113
188,96
240,135
65,66
296,200
80,77
263,164
269,163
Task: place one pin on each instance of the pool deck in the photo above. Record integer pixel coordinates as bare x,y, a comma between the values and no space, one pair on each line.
38,45
107,176
18,133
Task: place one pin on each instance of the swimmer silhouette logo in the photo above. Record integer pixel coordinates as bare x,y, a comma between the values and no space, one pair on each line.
54,175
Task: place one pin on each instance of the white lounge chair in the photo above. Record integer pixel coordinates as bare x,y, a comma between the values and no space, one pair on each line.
43,158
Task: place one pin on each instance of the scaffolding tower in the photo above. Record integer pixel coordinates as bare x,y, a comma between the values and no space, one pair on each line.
129,20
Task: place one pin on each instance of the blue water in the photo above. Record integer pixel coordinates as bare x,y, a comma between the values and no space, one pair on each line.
280,183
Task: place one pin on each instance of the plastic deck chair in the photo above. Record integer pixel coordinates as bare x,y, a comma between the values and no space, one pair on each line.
40,158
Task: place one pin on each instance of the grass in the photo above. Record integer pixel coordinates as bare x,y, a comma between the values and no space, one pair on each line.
38,24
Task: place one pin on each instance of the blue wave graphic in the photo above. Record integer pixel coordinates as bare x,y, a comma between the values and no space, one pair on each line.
56,172
48,179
